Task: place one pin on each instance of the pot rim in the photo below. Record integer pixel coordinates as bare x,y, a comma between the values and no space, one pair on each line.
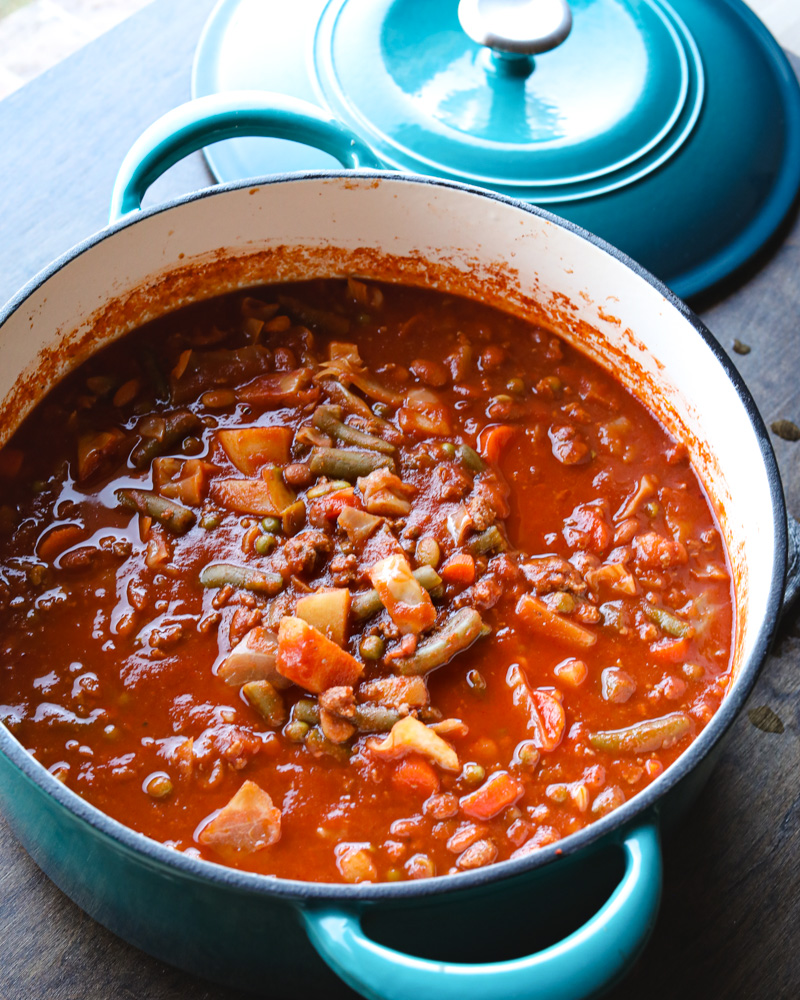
615,823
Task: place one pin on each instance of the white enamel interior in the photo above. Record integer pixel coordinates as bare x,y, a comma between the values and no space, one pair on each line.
455,237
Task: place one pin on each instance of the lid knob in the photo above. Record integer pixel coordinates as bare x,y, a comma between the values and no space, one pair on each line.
516,28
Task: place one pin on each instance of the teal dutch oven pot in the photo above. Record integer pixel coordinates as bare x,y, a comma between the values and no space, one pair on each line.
508,930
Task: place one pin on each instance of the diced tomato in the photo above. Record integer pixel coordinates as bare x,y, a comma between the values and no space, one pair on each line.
249,822
58,539
538,617
408,603
332,504
493,440
311,660
415,774
459,569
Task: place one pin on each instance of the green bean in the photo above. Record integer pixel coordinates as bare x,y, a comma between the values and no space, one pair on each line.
375,718
266,701
322,319
644,737
306,711
368,603
668,622
154,374
458,632
241,577
326,418
491,540
176,426
470,458
319,745
169,514
341,463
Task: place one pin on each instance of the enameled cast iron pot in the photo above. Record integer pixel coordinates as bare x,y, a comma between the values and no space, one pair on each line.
266,934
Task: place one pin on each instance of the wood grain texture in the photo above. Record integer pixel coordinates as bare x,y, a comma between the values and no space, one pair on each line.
729,925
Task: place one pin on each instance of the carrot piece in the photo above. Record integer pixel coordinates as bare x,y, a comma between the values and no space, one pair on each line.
670,650
497,793
538,617
415,774
459,569
250,448
249,822
492,440
311,660
57,540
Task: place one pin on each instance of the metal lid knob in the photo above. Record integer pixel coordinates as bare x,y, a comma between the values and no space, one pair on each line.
516,27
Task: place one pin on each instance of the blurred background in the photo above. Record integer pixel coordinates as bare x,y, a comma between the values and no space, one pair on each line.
36,34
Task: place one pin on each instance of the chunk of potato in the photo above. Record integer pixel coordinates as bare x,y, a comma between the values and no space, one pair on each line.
251,448
328,612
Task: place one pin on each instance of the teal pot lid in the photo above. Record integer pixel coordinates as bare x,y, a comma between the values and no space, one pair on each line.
671,130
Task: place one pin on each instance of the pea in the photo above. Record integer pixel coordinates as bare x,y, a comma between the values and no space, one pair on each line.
515,385
527,755
272,525
264,544
448,450
472,773
192,445
295,730
371,647
158,785
210,520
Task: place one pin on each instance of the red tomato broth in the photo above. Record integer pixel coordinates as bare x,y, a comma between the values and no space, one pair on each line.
107,691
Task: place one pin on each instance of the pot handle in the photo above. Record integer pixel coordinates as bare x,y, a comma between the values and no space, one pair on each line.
582,964
206,120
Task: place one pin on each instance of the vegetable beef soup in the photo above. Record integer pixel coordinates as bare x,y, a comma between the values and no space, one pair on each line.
341,581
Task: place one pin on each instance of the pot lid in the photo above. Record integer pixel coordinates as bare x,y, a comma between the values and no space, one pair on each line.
640,120
597,110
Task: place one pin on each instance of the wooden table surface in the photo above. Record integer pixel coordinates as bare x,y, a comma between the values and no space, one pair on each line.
731,907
